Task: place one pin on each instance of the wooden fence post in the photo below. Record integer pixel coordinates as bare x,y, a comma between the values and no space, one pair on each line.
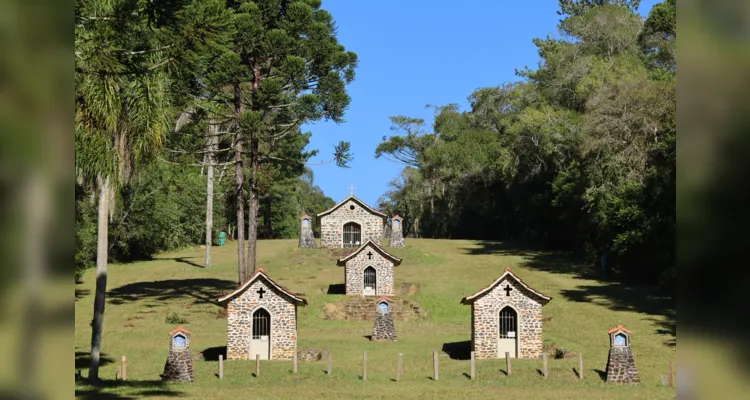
507,362
330,361
544,368
435,364
257,365
125,368
671,374
472,365
663,379
364,366
294,363
580,366
398,376
221,366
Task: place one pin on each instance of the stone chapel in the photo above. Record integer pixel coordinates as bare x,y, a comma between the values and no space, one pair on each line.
369,271
506,316
351,223
261,319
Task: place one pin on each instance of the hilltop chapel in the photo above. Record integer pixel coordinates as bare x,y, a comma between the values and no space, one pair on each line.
351,223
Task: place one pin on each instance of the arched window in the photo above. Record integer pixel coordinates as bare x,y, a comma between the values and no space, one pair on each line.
261,323
352,234
370,279
305,222
621,340
383,307
508,326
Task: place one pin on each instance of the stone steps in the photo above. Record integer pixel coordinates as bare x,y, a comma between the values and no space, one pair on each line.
365,309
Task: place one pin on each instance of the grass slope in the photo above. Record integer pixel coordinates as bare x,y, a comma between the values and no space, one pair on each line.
582,310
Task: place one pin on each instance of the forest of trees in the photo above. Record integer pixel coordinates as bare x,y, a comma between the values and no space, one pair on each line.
577,155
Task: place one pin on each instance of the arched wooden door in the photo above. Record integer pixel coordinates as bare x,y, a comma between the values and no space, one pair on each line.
260,341
352,234
507,338
370,282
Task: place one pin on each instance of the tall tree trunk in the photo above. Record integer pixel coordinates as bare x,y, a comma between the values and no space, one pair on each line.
267,221
212,138
240,180
252,213
101,277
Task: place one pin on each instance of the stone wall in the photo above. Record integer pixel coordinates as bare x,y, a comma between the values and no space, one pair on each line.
486,321
621,366
397,236
354,273
332,225
306,236
283,322
384,328
179,366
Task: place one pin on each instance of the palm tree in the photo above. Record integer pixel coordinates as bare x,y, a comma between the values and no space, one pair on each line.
121,119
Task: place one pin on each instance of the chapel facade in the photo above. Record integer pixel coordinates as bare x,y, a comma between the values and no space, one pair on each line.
369,271
351,223
261,319
506,316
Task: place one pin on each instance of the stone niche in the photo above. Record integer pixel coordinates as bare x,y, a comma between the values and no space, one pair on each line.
506,317
306,236
384,329
179,366
621,363
397,234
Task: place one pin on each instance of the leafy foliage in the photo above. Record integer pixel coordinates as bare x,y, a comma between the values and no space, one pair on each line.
580,155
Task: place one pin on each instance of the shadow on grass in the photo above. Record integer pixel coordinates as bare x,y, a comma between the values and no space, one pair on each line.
139,389
183,260
81,293
205,290
620,296
336,288
602,374
83,360
368,337
458,350
213,353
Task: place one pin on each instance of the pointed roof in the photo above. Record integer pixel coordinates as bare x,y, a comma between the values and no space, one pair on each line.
397,217
360,202
260,273
470,299
305,216
179,329
396,261
618,328
384,298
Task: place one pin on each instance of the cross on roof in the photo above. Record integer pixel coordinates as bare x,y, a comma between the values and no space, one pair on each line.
260,293
507,290
369,255
351,188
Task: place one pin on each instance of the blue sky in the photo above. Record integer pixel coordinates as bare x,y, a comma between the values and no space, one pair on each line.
413,53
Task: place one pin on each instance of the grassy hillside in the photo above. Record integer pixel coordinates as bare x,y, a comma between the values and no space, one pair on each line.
142,294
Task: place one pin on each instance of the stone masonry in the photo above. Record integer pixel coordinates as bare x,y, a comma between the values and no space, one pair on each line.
179,365
369,255
397,236
306,236
485,307
280,304
351,209
621,363
384,329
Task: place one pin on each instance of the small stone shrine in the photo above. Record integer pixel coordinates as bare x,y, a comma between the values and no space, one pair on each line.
397,235
621,363
384,329
369,271
306,236
179,366
350,223
506,316
261,319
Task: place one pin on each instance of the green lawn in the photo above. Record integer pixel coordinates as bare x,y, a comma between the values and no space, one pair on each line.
140,295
